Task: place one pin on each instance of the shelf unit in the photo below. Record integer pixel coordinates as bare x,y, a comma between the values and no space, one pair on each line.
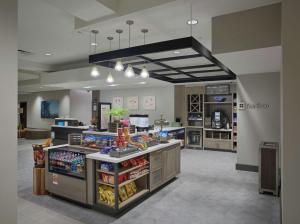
220,139
194,123
116,203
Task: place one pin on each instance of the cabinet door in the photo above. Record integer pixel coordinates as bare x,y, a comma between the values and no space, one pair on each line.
169,158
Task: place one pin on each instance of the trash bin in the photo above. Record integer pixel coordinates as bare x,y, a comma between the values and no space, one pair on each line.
269,167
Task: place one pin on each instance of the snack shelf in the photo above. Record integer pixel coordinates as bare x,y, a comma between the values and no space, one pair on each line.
104,183
123,183
133,197
133,179
123,170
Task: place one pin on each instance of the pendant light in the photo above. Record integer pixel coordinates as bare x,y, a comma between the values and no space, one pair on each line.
110,78
144,73
119,65
129,72
94,71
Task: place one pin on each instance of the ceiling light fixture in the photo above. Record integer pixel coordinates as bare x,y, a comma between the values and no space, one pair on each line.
192,22
176,52
87,87
119,65
110,78
142,83
48,54
112,85
94,71
94,44
144,73
129,73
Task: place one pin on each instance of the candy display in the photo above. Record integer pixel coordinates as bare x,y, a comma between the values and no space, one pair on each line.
106,166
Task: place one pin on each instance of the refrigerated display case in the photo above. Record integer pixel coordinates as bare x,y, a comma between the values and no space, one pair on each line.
67,172
67,162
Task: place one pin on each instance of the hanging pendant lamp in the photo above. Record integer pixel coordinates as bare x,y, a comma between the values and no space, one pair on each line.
110,78
144,73
94,71
119,65
129,72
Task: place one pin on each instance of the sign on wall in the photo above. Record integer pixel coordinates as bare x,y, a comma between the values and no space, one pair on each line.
149,102
117,102
133,103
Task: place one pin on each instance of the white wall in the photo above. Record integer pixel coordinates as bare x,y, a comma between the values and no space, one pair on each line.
259,124
290,80
164,100
80,105
33,100
8,112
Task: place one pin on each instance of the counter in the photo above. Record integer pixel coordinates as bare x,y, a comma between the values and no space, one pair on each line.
60,133
115,189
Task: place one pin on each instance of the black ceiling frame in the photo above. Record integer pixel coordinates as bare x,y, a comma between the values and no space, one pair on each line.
105,59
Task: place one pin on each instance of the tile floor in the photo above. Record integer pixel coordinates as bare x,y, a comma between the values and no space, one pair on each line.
208,191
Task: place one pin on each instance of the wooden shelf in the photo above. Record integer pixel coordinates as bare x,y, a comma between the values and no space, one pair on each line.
133,197
104,183
128,181
123,170
123,183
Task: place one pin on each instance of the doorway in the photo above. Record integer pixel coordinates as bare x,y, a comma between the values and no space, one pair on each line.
23,114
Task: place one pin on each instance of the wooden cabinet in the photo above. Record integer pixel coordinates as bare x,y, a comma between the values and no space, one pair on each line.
169,166
164,165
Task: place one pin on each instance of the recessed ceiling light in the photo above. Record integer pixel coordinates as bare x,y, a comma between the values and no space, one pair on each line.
88,87
192,22
48,54
94,44
176,52
112,85
142,83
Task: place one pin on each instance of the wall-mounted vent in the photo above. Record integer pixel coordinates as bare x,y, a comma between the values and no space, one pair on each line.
23,52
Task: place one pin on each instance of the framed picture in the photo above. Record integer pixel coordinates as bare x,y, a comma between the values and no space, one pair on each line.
50,109
117,102
104,117
149,102
133,103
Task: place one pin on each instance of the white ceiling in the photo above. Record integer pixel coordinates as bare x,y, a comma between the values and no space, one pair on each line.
48,26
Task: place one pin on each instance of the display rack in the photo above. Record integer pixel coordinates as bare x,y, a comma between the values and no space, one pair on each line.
218,138
114,190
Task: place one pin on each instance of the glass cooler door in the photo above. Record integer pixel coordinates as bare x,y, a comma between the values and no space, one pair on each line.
67,162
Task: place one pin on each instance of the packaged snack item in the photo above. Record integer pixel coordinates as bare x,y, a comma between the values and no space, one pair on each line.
129,190
122,194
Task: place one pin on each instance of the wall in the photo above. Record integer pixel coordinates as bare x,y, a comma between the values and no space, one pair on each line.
164,100
260,124
290,80
80,105
8,118
33,100
245,30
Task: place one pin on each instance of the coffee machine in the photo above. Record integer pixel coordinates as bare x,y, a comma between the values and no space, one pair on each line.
218,120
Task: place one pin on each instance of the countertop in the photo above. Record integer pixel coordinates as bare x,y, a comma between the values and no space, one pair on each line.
107,158
75,127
